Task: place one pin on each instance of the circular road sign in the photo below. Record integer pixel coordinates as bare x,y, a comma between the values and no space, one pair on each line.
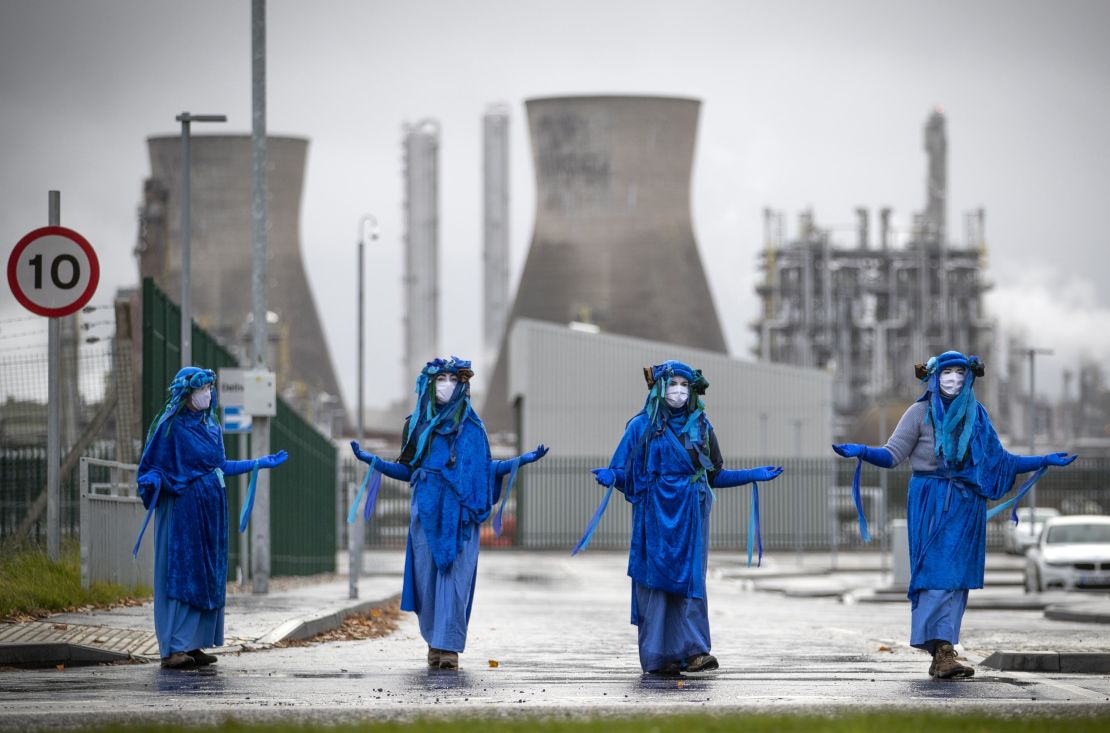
53,271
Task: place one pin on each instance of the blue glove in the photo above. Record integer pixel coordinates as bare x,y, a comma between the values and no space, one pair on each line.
273,460
398,471
235,468
607,476
724,479
875,456
1059,459
533,456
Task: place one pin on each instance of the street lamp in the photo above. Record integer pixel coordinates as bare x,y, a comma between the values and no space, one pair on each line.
355,531
1032,354
186,254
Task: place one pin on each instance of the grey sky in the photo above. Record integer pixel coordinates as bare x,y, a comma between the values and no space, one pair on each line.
805,103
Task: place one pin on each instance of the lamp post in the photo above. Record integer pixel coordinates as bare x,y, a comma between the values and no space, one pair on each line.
1032,354
355,531
186,120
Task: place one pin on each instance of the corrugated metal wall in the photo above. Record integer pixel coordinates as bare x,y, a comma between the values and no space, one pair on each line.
577,390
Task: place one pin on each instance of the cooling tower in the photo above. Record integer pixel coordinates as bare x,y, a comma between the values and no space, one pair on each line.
613,243
221,248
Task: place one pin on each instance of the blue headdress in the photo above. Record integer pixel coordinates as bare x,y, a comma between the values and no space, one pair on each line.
184,382
691,425
953,423
445,419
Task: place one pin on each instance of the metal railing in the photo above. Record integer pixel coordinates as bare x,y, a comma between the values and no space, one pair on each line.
111,515
808,508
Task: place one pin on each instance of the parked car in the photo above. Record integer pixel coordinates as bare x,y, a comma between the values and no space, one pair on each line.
1016,539
1073,553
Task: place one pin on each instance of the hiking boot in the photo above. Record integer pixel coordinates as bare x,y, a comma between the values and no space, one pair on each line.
448,660
701,663
933,667
945,665
201,658
670,669
178,660
433,657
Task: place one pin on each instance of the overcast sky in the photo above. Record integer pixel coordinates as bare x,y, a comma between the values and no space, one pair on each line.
816,104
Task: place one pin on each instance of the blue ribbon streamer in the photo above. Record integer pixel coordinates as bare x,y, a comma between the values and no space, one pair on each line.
594,521
353,512
375,483
863,532
1021,492
248,505
514,464
754,532
149,514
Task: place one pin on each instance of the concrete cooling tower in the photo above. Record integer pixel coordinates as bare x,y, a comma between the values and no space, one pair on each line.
613,243
221,249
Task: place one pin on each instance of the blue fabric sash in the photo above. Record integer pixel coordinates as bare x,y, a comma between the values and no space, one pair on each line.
248,505
514,465
754,532
863,531
1016,499
594,520
146,521
370,486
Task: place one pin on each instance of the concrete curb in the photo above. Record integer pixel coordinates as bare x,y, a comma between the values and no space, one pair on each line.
1048,661
1093,613
306,627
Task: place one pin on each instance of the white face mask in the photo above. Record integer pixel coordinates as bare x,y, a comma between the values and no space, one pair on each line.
951,381
445,387
201,398
678,392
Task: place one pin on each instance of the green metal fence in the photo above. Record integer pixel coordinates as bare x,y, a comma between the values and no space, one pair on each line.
302,505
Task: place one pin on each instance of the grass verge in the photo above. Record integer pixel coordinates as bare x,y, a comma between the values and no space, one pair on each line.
32,586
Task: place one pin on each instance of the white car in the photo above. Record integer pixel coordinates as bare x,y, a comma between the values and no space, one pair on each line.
1017,538
1073,553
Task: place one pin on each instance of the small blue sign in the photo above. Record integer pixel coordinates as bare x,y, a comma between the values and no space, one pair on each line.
236,420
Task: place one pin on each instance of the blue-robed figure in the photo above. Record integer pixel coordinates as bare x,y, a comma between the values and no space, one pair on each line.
959,465
665,465
445,456
181,482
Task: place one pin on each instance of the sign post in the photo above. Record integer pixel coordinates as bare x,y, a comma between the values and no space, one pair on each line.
53,272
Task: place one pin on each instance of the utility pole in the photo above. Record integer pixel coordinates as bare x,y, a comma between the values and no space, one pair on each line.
260,425
1032,354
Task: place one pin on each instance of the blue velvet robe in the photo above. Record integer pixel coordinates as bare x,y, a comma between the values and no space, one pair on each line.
946,513
180,462
451,497
667,491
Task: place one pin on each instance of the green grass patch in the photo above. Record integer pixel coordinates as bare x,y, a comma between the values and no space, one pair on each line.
30,584
733,723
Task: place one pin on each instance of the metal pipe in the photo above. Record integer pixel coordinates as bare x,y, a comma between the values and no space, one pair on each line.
53,411
186,248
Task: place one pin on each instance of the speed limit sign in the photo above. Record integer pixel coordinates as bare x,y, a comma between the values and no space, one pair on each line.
53,271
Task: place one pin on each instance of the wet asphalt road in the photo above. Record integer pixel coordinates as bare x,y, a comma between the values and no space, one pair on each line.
558,629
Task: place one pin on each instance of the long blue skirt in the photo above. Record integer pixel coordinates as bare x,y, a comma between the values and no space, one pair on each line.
936,615
179,626
671,627
441,599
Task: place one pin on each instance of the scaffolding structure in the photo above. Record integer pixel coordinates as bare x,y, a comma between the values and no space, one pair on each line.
869,313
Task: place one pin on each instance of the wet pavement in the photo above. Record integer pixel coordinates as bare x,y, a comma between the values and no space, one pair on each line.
557,628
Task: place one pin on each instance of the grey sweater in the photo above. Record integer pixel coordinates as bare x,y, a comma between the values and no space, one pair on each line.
913,439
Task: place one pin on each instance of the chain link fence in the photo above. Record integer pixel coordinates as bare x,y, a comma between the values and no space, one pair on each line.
89,363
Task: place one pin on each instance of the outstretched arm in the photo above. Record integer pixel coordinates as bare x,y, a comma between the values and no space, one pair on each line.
398,471
725,478
881,457
235,468
1025,464
502,468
